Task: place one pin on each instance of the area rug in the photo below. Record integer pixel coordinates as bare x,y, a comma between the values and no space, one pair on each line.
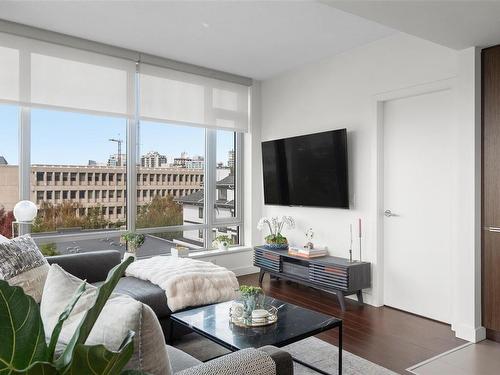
311,350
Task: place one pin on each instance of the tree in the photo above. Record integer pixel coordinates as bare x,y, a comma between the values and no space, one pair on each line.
53,217
6,219
160,212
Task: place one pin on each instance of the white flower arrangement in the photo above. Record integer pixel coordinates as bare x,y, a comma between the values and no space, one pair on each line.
276,226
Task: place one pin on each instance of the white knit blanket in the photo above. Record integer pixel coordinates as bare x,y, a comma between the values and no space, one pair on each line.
186,282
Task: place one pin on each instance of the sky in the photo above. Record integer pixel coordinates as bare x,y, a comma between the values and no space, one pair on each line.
67,138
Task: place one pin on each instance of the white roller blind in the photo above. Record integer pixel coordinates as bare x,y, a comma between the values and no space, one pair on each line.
65,78
168,95
72,84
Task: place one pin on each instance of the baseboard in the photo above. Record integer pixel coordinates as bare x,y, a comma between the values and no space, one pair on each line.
472,334
492,335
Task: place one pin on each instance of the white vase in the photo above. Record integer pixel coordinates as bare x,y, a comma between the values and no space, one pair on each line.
223,246
128,255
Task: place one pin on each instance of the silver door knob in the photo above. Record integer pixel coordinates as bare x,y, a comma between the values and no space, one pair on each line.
388,213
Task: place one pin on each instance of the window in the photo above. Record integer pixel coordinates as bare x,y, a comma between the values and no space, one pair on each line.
79,160
169,142
67,149
9,166
162,242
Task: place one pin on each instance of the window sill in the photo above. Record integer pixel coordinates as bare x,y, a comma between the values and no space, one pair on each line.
217,252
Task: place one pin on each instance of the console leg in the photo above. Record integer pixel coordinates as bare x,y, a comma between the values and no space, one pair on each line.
359,294
261,276
340,297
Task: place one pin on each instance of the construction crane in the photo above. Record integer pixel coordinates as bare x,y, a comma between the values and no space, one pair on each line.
119,156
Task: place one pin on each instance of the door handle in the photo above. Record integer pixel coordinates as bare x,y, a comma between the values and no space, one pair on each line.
388,213
492,229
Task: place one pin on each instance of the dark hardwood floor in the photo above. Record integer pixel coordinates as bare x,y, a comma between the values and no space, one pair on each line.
394,339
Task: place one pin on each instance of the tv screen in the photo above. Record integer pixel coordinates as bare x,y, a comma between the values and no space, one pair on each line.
309,170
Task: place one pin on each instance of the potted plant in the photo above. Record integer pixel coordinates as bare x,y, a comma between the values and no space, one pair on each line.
252,298
222,241
275,239
24,349
133,241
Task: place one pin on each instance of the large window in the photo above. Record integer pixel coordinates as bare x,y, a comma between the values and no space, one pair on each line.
112,145
170,175
88,152
9,166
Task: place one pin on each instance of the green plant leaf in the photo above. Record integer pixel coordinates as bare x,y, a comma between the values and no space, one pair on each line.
22,341
82,332
64,315
97,359
39,368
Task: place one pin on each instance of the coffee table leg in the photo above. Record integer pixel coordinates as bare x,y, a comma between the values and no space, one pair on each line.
339,358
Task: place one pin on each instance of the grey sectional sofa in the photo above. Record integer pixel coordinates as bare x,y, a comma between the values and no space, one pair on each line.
94,267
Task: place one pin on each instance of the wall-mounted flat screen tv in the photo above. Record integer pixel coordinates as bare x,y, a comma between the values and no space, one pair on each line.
309,170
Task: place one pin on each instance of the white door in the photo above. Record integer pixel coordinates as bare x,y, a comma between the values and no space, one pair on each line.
418,190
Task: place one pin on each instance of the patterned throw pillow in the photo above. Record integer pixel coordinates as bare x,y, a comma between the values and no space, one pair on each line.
22,264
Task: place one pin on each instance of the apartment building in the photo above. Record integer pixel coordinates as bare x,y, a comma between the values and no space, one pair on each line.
93,185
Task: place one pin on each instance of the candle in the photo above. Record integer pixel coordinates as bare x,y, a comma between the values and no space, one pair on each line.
359,227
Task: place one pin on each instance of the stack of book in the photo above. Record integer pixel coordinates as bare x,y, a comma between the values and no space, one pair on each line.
307,253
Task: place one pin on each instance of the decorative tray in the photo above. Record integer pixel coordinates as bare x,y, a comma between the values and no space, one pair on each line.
259,318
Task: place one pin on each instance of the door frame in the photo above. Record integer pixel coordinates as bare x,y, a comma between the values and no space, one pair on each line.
378,159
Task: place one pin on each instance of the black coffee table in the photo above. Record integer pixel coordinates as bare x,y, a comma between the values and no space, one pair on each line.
294,324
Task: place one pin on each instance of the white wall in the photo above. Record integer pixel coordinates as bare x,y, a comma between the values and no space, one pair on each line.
339,92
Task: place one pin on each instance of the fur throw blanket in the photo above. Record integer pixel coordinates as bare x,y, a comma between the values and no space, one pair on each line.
186,282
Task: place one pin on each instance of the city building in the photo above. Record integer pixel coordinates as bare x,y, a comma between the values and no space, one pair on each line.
193,208
92,186
3,161
117,160
153,159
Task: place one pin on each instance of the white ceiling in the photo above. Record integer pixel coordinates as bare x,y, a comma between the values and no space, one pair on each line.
455,24
257,39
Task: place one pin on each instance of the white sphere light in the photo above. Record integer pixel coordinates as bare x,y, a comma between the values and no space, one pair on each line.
25,211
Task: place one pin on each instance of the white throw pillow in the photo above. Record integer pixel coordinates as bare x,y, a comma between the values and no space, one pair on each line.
3,239
22,264
120,314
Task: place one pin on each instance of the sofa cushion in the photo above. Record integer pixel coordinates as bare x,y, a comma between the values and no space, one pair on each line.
119,315
145,292
92,266
22,264
180,360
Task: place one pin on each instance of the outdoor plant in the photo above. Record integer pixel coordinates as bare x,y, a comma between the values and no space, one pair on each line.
23,349
276,226
133,240
222,240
